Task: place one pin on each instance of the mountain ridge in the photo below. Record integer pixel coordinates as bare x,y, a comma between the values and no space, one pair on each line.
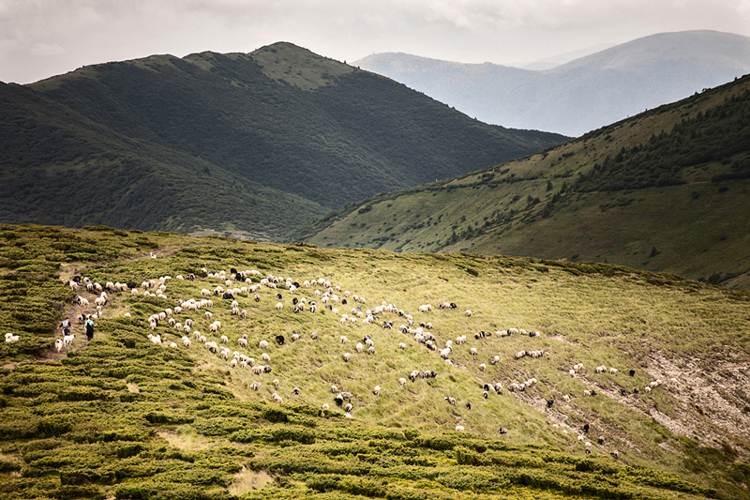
651,192
584,94
279,147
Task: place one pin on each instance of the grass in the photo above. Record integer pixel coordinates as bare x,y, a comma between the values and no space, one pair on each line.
120,417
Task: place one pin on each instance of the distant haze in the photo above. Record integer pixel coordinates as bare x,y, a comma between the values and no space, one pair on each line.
584,94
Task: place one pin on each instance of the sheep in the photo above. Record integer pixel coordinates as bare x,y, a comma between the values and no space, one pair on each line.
343,339
347,357
242,342
566,398
520,354
295,337
402,346
349,407
468,313
402,381
279,306
473,351
186,341
376,390
613,371
494,360
451,400
601,369
265,357
587,393
67,340
334,389
459,428
263,344
255,386
224,339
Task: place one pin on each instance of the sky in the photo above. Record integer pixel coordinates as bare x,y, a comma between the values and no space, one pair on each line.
43,38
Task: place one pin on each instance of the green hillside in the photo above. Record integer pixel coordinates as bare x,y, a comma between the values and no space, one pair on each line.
58,167
665,190
287,119
124,418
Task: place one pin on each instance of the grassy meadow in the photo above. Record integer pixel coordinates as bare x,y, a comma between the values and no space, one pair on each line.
121,417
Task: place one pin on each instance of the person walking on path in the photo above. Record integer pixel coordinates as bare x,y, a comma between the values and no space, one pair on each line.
89,325
65,326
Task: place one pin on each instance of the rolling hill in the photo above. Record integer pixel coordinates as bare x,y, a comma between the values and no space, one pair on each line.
247,144
584,94
665,190
124,417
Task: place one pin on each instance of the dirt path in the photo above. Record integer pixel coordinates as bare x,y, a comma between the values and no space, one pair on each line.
72,311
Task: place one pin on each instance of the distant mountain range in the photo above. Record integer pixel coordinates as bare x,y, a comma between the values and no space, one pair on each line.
664,190
252,145
584,94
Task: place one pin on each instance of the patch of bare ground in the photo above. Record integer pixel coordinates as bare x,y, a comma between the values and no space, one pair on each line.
249,480
714,400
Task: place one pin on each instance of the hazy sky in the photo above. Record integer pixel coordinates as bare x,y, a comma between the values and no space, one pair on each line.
41,38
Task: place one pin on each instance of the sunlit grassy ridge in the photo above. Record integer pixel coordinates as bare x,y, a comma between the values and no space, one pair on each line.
664,190
123,417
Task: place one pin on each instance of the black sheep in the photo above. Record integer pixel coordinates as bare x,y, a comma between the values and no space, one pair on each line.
280,339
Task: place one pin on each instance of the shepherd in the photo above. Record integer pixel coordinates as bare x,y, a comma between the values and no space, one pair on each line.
89,325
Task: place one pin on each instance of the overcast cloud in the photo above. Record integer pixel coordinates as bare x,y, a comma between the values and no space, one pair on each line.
41,38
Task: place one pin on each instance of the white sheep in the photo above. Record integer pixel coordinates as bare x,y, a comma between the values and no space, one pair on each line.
402,381
263,344
347,357
460,428
376,390
265,357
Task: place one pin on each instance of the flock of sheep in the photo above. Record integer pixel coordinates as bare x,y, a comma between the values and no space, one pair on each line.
349,308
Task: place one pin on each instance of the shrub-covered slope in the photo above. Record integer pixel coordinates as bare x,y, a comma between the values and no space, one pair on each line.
123,417
289,120
665,190
58,167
